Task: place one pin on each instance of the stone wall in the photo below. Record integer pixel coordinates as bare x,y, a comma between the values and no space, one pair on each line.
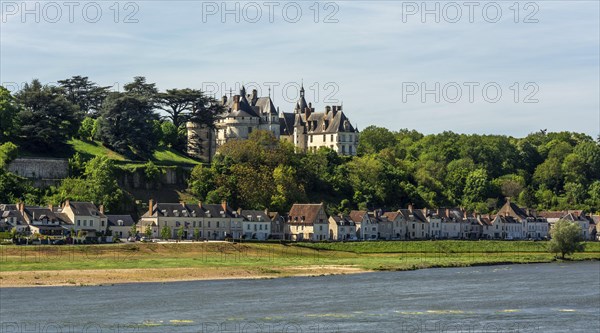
40,168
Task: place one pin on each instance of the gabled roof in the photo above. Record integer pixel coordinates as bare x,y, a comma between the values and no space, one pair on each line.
343,220
513,210
33,213
286,123
84,208
415,215
113,220
358,215
173,210
305,212
265,105
392,216
215,211
255,216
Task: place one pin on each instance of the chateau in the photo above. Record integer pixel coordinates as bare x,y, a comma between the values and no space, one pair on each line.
306,129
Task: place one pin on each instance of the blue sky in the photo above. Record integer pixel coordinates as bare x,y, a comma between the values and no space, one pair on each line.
368,59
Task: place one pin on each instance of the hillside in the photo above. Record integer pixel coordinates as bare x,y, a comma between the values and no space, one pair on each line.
88,149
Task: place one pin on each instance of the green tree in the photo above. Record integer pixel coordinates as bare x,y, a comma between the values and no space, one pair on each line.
87,129
84,93
47,119
180,233
142,90
101,182
566,238
373,139
126,125
179,103
9,108
165,232
148,232
197,234
169,134
133,231
476,188
8,152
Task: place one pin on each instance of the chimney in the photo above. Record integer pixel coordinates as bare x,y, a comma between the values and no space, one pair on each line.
310,105
334,110
200,204
224,99
267,211
67,203
254,94
236,103
224,205
410,206
101,209
150,207
182,203
448,212
465,213
21,207
51,207
327,109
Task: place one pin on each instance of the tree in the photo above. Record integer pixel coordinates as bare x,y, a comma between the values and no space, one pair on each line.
179,103
84,93
101,182
8,152
476,188
165,232
197,234
142,90
148,232
180,233
47,119
373,139
9,108
169,134
126,125
566,238
87,129
133,231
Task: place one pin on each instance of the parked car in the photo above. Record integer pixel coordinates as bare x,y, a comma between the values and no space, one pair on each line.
58,242
131,239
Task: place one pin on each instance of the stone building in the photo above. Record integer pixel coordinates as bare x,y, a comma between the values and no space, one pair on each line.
244,113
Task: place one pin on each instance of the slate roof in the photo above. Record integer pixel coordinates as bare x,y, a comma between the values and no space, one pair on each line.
392,215
343,220
113,220
255,215
286,123
84,209
417,215
33,213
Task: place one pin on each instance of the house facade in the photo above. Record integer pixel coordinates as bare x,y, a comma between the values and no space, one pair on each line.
85,216
307,222
341,228
256,224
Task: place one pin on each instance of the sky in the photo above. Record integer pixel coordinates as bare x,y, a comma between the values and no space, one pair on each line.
489,67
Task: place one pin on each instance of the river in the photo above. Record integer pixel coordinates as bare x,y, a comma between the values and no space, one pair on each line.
560,297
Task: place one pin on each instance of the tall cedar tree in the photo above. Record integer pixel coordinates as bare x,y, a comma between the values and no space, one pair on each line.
47,119
80,91
126,124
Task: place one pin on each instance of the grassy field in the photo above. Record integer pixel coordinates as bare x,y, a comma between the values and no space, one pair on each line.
63,265
90,149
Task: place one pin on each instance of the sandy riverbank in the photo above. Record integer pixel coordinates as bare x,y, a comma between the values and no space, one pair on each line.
96,277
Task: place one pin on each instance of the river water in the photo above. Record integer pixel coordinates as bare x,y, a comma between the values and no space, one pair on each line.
561,297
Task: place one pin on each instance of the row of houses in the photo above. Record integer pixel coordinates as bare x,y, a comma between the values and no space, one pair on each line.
304,222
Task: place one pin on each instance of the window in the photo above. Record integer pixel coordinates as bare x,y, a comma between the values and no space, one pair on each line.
331,137
84,223
324,138
320,228
91,223
217,224
102,223
260,227
311,139
343,149
249,130
248,227
78,223
209,224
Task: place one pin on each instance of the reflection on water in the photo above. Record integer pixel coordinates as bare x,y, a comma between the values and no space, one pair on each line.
516,298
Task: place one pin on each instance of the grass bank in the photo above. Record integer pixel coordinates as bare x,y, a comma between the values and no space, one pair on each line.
107,264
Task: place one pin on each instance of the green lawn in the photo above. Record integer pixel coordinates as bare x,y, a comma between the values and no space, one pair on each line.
271,255
162,156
